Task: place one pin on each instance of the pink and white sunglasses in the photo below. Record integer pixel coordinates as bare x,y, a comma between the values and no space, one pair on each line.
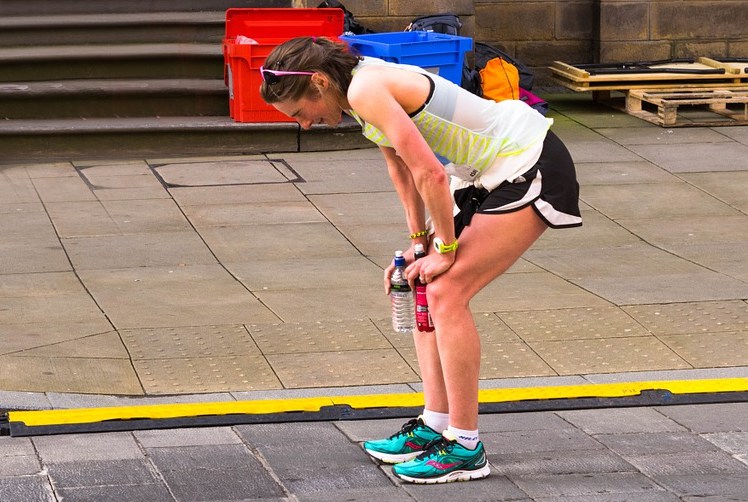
273,76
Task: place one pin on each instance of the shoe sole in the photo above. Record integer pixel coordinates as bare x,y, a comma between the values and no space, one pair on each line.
392,459
449,477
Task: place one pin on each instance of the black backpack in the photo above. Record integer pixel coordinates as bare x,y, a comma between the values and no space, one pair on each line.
438,23
350,25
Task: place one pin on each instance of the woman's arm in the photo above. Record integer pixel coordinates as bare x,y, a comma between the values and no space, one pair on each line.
381,97
415,211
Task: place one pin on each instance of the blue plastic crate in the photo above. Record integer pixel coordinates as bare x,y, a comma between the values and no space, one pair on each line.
436,52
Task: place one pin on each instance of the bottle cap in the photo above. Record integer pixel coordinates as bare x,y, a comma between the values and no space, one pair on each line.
399,258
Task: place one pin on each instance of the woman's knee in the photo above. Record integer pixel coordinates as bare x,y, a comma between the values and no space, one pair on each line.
446,295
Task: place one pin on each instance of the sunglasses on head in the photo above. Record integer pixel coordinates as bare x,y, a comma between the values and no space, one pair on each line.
273,76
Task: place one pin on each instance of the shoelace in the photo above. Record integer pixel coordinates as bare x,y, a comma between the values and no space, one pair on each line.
435,445
409,426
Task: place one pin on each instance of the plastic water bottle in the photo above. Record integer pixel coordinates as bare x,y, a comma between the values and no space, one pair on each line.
423,316
403,309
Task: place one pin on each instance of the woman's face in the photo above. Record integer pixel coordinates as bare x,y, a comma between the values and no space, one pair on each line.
308,111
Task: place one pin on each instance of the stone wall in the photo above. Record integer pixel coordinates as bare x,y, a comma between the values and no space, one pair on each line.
539,32
646,30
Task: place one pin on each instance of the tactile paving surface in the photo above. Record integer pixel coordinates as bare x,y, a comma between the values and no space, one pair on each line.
610,355
573,324
188,342
511,359
286,338
206,374
694,317
711,350
335,369
493,330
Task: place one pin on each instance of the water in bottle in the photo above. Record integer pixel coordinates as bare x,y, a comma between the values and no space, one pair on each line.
403,308
423,316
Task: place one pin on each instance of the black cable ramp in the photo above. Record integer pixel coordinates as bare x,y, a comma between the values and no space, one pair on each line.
366,407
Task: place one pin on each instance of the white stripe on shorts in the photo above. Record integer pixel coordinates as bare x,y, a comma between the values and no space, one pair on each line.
556,218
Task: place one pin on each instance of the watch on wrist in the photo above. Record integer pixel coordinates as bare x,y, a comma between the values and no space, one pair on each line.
442,248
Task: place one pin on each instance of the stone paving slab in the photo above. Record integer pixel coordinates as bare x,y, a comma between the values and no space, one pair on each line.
94,252
666,453
680,158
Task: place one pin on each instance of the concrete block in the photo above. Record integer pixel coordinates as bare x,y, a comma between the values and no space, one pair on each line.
199,436
514,422
619,52
393,494
531,441
315,140
624,21
575,20
499,22
737,49
576,485
655,443
12,447
292,451
19,465
102,473
27,489
699,19
428,7
688,463
732,442
219,472
144,493
99,446
23,400
537,55
719,486
619,421
559,462
728,417
694,49
683,158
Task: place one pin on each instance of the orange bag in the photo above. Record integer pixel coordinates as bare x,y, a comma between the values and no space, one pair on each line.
500,80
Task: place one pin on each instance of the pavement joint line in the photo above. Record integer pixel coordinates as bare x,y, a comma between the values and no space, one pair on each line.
57,419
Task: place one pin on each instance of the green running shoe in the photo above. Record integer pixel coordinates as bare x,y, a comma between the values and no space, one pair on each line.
404,445
445,460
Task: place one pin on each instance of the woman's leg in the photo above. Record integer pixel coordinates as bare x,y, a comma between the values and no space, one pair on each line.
488,247
434,391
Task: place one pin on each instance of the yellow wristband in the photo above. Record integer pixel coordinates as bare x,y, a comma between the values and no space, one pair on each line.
416,235
442,248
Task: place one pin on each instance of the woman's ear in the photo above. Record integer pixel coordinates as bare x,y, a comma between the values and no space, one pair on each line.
320,81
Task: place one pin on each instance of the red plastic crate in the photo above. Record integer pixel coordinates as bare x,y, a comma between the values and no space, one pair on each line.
270,28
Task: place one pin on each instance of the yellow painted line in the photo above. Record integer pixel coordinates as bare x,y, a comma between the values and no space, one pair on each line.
273,406
165,411
381,400
613,389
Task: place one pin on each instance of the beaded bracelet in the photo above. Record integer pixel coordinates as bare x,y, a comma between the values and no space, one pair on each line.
416,235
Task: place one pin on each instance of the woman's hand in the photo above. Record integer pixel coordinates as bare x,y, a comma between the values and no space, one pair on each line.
429,267
408,255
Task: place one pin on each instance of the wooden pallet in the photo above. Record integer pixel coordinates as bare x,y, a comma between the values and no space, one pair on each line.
714,107
715,73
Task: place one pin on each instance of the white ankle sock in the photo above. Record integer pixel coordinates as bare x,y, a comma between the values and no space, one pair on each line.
435,420
468,439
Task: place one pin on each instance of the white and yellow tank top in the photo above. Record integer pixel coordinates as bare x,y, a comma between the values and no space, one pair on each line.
484,142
